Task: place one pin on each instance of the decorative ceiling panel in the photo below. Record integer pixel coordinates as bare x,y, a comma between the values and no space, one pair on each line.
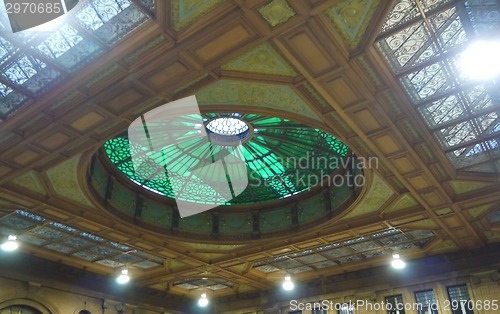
64,180
277,12
274,96
185,12
31,181
262,59
351,19
379,192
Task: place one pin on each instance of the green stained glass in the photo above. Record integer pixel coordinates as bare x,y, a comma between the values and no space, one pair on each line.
280,155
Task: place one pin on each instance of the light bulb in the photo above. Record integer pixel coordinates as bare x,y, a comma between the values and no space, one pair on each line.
11,244
288,284
123,278
397,262
203,301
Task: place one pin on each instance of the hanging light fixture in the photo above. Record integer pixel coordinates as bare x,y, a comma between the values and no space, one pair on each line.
203,301
11,244
123,278
288,284
397,262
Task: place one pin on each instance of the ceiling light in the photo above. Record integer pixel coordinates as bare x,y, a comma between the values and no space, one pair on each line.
203,301
11,244
480,60
123,278
288,284
397,262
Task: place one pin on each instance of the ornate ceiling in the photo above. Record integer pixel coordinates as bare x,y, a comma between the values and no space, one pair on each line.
316,62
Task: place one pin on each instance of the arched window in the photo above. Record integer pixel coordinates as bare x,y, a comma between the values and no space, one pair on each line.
19,309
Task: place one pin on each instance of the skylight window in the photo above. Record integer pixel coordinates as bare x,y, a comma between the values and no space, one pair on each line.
62,46
445,55
94,15
60,42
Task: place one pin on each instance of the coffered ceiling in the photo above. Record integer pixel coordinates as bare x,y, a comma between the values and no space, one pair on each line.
316,62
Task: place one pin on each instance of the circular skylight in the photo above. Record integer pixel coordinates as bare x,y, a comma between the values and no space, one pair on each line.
227,126
228,130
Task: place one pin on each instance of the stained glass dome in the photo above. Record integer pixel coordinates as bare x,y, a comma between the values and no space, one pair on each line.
280,156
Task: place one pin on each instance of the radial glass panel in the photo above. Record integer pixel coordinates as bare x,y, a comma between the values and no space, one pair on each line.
280,155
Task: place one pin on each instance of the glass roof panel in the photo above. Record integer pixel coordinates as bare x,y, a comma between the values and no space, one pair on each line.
478,99
423,41
443,110
32,62
484,15
405,45
428,5
6,49
11,100
60,42
110,20
429,81
449,29
457,134
403,11
271,158
96,13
